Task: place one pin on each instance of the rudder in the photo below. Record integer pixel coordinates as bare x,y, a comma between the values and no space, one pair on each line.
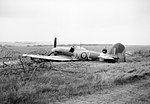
118,50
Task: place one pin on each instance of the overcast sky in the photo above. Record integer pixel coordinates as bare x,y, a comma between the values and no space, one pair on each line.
76,21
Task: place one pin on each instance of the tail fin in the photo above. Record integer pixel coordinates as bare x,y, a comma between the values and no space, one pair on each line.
118,50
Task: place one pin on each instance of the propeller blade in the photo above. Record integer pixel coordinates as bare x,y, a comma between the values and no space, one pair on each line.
50,53
55,42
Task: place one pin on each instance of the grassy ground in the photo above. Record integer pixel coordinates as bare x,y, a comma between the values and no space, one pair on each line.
47,83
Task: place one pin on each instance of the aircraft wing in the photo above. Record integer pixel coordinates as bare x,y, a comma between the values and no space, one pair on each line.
51,58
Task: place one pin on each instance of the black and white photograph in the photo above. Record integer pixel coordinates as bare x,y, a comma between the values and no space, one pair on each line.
74,51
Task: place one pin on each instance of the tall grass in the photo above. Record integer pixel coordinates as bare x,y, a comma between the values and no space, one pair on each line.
53,85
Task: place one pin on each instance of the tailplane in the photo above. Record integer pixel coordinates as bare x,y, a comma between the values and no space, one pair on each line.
118,50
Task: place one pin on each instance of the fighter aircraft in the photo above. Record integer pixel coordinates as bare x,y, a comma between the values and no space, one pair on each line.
77,53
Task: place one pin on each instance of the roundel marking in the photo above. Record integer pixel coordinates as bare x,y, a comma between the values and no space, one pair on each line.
84,55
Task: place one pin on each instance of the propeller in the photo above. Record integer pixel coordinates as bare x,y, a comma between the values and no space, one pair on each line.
55,44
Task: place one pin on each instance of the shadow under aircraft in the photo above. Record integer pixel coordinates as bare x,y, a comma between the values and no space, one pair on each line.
77,53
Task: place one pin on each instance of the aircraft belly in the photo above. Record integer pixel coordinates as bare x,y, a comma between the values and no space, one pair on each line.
94,55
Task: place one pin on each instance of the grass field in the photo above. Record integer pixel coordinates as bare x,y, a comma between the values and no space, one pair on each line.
46,83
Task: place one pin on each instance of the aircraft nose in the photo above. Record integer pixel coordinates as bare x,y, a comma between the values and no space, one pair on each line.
53,50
